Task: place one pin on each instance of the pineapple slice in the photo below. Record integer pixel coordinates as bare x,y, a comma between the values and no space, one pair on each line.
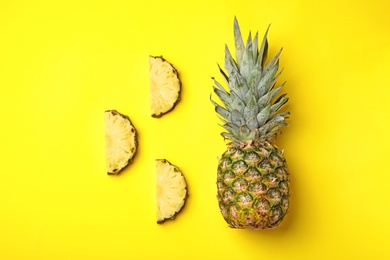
171,190
121,141
165,86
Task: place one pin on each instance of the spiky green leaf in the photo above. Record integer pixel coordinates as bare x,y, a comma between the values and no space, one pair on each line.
253,135
272,62
244,131
262,56
230,63
266,81
267,98
251,108
237,103
222,112
247,62
239,43
255,46
279,103
237,118
238,84
223,96
264,115
252,123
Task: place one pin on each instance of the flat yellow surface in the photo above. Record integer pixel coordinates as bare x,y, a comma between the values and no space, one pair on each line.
62,63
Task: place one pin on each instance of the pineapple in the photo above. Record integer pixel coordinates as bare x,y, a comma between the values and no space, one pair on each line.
253,182
121,141
165,86
171,190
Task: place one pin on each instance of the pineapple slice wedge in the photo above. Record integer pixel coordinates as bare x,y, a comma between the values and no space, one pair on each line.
121,141
165,86
171,190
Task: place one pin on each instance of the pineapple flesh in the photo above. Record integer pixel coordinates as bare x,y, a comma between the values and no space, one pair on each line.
165,86
121,141
171,190
253,181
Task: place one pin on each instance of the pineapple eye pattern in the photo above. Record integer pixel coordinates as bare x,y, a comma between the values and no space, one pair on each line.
239,167
225,164
271,180
257,188
228,195
252,156
229,176
238,154
252,174
261,206
276,214
274,196
244,199
283,187
285,203
240,185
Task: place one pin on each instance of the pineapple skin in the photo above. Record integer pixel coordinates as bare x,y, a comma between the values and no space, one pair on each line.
253,185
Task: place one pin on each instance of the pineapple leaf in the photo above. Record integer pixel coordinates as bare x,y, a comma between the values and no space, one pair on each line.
255,46
263,50
277,117
237,118
263,116
223,96
272,123
265,82
251,108
248,104
274,60
230,63
239,43
279,103
231,128
219,86
222,112
277,76
253,135
247,62
237,102
254,79
238,84
252,123
244,131
225,76
266,99
236,81
276,128
227,135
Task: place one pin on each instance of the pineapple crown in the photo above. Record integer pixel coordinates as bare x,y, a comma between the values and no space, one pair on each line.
249,109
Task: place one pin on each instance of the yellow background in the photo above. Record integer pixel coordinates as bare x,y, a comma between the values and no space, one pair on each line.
62,63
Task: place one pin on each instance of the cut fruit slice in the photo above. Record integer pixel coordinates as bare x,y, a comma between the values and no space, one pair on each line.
165,86
171,190
121,141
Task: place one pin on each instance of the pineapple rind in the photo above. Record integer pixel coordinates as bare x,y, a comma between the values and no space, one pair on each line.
121,141
253,186
171,190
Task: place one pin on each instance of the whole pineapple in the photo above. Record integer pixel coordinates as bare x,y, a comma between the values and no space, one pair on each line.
253,180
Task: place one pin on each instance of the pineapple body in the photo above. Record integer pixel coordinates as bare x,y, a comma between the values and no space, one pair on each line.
253,185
